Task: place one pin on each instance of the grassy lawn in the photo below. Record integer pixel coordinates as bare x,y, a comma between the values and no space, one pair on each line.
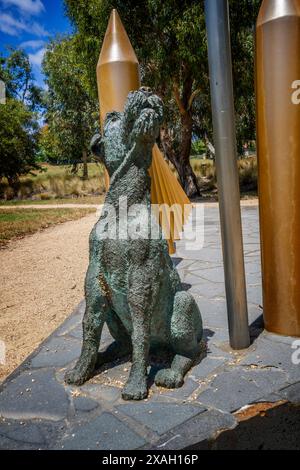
16,223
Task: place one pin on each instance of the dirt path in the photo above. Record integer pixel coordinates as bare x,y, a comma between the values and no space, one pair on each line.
41,279
244,202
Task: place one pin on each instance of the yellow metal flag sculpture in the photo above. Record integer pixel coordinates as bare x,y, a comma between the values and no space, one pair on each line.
118,73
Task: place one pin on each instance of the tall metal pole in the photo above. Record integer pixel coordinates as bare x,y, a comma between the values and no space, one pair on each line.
220,66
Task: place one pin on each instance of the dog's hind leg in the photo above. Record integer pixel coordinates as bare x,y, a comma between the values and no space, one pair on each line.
186,334
97,310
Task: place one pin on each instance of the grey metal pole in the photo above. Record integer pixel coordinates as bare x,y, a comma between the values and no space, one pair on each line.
220,67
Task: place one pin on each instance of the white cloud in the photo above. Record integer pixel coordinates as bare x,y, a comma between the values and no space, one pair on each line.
33,44
37,57
31,7
14,27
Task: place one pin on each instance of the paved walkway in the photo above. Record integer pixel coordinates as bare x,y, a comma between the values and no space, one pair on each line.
222,393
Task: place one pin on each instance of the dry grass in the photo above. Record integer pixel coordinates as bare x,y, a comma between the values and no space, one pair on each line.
58,185
16,223
248,174
56,182
205,171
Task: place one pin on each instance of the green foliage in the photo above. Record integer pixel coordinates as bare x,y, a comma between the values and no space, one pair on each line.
46,145
170,40
16,72
17,140
198,147
243,14
18,117
72,114
167,36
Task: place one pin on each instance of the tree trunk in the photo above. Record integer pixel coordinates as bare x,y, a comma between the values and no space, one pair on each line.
14,183
166,140
85,165
187,177
181,159
74,169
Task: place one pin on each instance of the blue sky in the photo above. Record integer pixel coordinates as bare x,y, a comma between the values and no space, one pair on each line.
30,24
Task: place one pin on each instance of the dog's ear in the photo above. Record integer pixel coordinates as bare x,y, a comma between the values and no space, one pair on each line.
97,147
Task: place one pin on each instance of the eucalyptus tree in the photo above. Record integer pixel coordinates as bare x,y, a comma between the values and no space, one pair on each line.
72,113
169,38
19,117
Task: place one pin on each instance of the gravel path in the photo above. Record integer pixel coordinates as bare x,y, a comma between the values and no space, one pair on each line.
41,282
244,203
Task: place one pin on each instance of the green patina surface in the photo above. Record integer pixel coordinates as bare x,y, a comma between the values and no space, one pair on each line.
131,283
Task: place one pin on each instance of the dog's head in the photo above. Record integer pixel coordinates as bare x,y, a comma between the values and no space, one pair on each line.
142,116
140,105
137,104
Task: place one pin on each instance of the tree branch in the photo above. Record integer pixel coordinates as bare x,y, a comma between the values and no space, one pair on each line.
192,97
178,99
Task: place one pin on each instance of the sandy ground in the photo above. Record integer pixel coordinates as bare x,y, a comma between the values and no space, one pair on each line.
41,281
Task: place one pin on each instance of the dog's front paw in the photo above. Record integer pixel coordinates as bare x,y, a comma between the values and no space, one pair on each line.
76,376
135,389
168,378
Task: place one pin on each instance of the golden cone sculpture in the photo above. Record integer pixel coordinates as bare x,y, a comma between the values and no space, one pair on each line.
278,132
117,74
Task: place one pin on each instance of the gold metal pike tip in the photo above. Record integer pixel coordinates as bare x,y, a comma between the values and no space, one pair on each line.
118,73
115,22
273,9
118,68
116,45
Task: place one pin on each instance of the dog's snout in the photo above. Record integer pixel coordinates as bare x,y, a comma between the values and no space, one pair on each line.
146,89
